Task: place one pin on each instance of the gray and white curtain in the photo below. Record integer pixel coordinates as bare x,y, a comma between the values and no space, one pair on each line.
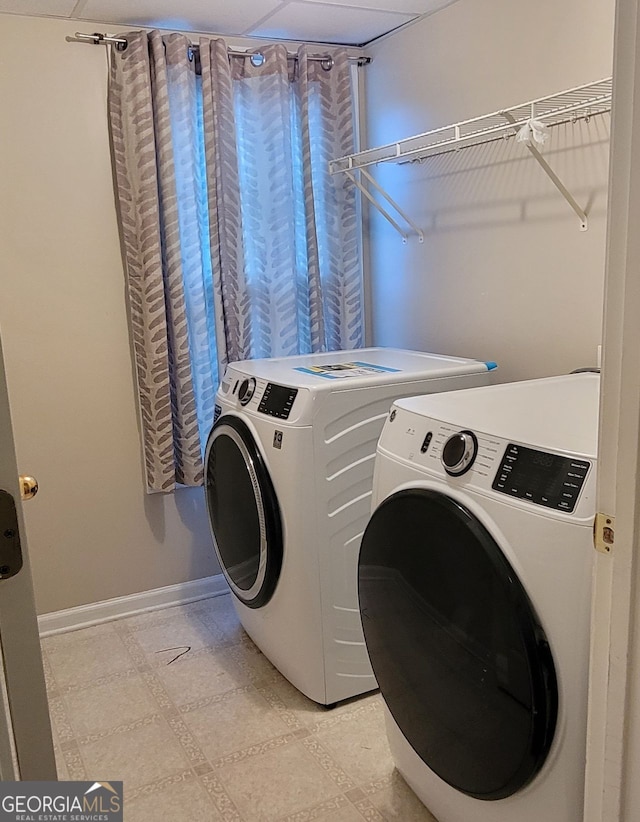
238,243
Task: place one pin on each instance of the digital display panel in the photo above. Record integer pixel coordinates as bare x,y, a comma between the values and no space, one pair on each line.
540,477
277,400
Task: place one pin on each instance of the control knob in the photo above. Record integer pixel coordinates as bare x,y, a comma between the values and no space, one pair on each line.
459,453
246,390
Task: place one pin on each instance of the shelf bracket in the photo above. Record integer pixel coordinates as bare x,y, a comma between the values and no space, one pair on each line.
379,207
584,223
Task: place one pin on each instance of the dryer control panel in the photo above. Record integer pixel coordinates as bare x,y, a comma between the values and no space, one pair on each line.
537,476
471,460
277,400
249,393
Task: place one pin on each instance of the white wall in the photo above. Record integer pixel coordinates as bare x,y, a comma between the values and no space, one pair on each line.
504,272
93,533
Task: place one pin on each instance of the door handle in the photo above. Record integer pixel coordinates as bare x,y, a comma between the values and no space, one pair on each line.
28,487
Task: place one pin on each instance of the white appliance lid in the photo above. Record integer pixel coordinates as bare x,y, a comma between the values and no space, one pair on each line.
361,365
555,413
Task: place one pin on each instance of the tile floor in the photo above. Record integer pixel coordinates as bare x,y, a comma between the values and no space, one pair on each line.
217,734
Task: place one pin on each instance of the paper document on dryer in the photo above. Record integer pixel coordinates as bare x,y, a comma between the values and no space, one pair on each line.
340,370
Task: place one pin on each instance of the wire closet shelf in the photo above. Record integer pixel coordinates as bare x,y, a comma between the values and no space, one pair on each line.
567,106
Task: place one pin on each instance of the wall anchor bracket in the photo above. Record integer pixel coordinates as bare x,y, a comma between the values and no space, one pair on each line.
584,223
379,207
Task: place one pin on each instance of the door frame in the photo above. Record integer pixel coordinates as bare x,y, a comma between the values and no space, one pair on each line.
24,709
612,789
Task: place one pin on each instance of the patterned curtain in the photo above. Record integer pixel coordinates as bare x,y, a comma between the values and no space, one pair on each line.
238,243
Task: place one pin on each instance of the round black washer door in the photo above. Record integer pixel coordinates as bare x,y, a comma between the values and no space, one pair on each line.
458,651
243,512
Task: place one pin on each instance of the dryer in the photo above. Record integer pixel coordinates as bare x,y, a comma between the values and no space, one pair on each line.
288,477
475,589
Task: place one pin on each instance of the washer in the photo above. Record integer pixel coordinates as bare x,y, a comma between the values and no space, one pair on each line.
475,589
288,476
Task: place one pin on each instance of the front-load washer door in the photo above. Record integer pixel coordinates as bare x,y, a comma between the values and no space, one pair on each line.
243,512
462,661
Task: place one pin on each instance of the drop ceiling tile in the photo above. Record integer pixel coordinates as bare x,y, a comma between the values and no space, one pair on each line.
325,23
401,6
55,8
186,15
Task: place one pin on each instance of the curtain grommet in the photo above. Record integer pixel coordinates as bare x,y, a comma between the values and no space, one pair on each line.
328,63
257,59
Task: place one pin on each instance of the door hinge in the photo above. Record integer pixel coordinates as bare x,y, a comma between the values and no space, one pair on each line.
10,548
604,533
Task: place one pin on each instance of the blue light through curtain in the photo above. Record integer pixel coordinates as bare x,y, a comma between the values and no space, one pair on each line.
238,242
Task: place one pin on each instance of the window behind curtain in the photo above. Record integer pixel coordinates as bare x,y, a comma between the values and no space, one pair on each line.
238,243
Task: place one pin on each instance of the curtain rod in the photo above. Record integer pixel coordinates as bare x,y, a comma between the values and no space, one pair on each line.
98,39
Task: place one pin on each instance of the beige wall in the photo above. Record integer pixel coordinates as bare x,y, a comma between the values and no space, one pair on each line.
504,272
93,533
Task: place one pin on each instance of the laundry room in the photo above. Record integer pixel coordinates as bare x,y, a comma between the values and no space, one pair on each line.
456,190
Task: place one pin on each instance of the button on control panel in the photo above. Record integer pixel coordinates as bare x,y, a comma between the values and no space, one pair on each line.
277,400
542,478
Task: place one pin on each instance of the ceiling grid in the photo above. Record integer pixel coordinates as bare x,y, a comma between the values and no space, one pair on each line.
347,22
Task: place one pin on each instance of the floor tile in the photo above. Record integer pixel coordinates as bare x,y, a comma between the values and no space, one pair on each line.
60,725
200,674
277,783
49,679
358,743
346,814
94,632
310,713
337,809
253,663
61,765
75,768
183,801
219,615
396,802
158,641
86,659
237,722
96,709
142,754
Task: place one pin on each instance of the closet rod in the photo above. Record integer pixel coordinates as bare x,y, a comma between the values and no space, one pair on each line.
98,39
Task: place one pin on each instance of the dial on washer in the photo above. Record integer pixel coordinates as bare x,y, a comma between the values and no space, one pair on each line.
245,392
459,453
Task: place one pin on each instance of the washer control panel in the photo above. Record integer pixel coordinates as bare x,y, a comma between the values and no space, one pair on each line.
542,478
277,400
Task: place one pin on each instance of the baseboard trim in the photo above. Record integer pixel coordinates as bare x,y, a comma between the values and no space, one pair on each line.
83,616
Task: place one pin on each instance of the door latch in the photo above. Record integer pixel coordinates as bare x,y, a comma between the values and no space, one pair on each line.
10,548
604,533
